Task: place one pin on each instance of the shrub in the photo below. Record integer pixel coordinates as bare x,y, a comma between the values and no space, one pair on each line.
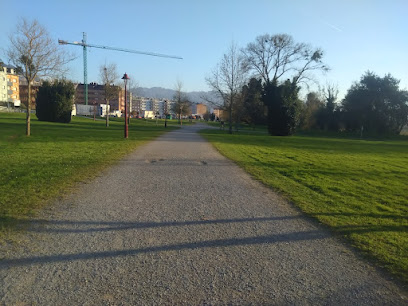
55,100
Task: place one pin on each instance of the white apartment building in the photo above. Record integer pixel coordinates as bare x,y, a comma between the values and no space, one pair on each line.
149,106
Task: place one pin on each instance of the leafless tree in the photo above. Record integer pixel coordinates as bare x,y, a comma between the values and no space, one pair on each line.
227,80
330,93
109,76
35,54
273,57
182,105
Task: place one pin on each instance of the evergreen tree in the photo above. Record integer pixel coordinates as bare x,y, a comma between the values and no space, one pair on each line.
254,108
376,105
55,100
283,107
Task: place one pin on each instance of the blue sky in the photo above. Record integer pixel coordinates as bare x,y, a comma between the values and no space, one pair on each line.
356,35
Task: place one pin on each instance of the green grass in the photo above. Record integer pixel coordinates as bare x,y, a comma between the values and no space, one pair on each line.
358,188
39,168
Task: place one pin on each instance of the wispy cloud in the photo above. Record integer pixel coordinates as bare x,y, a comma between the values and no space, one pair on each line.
333,26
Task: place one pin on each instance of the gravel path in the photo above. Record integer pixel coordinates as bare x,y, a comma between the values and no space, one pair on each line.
177,223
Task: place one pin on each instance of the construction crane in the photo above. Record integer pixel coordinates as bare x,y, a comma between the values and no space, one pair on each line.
85,45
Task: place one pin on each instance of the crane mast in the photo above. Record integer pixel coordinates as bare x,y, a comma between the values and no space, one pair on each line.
85,68
85,45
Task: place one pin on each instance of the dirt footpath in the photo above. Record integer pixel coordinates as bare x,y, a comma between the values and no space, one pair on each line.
177,223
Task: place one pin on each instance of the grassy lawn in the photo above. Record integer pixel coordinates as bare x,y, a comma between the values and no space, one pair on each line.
357,187
35,169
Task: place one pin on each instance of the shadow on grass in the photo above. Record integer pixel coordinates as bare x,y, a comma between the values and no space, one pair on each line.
371,215
315,144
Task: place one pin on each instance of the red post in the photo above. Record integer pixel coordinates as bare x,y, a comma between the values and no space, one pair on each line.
125,78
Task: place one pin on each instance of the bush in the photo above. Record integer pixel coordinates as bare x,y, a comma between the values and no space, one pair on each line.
55,100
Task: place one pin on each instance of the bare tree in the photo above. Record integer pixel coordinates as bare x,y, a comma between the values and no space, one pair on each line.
273,57
227,80
330,93
35,54
109,75
182,104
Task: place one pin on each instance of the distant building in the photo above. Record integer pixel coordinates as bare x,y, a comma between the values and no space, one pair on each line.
96,96
141,105
35,85
148,114
219,114
9,85
199,109
89,110
3,84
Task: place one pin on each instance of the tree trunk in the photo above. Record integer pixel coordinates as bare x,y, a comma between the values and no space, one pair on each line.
230,120
107,113
28,120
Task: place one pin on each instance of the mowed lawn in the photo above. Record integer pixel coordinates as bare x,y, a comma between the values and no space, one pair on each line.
357,187
47,164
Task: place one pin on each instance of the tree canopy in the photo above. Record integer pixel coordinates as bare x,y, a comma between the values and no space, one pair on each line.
108,74
277,57
376,105
35,54
254,108
227,80
55,100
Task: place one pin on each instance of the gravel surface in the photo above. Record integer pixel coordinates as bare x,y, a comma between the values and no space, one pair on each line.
177,223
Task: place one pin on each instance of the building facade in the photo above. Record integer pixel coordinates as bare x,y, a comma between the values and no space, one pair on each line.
96,96
35,85
199,109
141,105
3,84
219,114
9,85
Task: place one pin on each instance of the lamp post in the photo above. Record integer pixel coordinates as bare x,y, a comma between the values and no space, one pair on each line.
125,78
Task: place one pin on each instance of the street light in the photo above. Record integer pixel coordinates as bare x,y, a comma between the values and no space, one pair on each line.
125,78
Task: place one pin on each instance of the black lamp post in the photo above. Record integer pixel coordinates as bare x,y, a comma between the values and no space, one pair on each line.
125,78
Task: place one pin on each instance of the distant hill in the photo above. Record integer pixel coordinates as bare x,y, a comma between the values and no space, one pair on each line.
164,93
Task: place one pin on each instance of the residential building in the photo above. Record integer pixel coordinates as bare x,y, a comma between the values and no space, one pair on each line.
96,96
199,109
35,85
136,106
147,106
9,85
3,84
219,114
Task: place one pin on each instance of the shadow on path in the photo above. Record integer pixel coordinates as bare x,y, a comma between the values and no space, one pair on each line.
257,240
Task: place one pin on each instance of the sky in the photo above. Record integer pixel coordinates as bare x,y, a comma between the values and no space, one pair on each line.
355,35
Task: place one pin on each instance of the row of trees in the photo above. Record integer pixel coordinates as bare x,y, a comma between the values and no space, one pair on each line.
279,67
374,104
